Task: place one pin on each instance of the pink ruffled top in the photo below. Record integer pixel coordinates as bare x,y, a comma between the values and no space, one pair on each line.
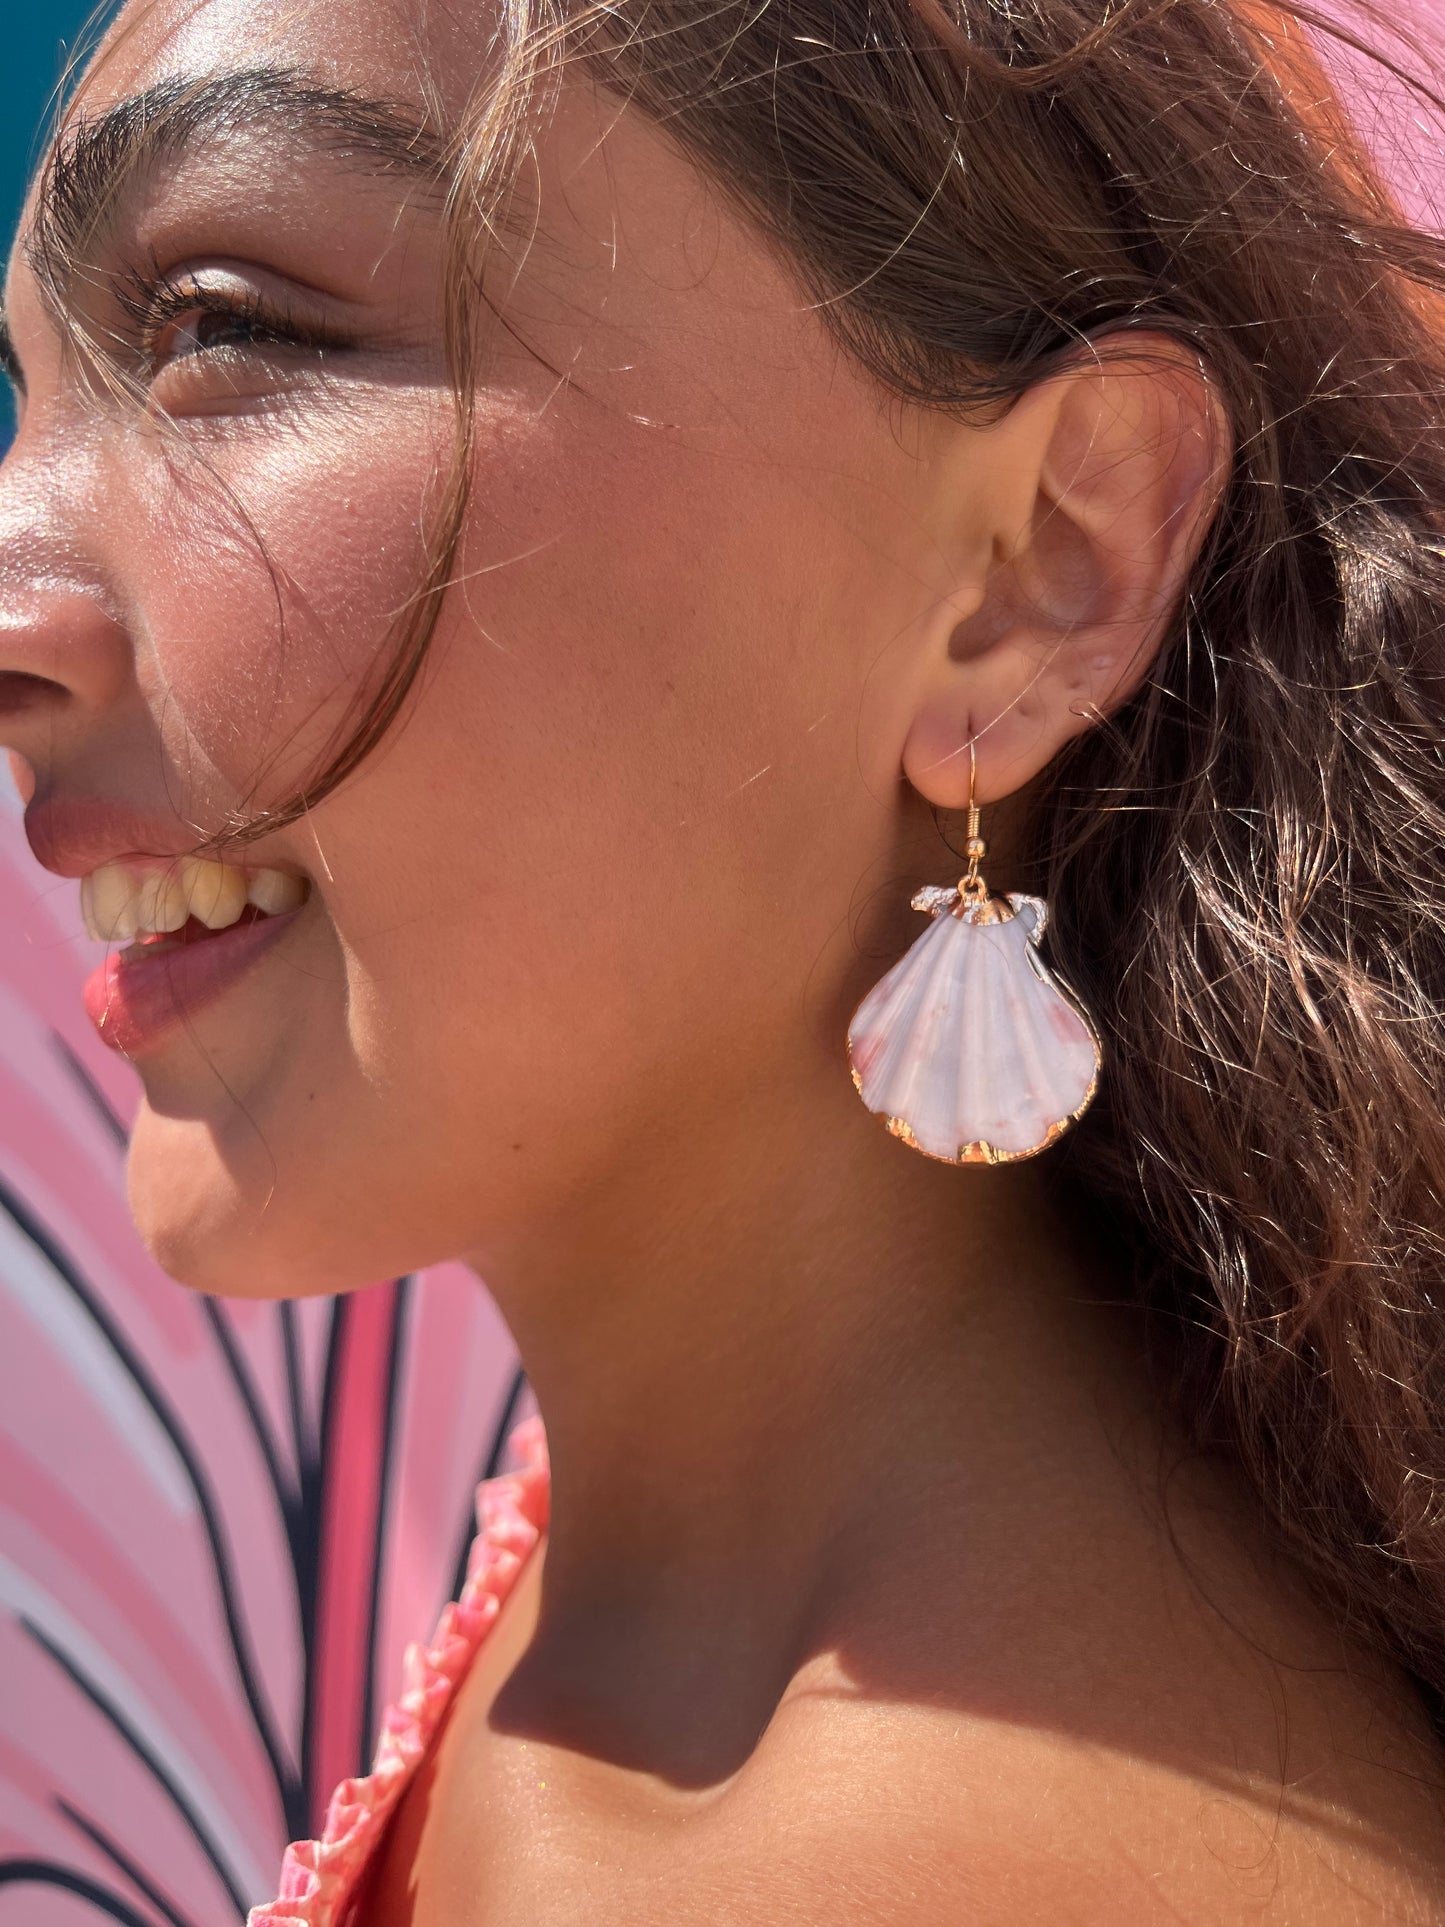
320,1879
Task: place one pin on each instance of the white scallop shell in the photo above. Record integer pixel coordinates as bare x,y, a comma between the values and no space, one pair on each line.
968,1048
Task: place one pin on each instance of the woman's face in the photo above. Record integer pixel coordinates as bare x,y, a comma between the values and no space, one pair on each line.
584,918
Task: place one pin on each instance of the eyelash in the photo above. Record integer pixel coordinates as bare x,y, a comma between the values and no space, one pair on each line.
153,304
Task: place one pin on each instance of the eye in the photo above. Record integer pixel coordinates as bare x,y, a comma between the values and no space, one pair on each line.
186,323
200,329
221,339
220,321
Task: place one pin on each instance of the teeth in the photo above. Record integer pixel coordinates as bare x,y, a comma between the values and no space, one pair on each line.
120,902
162,903
216,891
108,903
273,891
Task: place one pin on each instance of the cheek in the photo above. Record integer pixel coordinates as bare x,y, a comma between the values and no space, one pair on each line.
608,812
584,867
271,576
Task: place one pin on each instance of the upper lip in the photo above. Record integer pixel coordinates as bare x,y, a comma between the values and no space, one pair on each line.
73,835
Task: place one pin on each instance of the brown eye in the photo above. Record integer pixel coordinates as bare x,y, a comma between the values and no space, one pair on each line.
200,346
200,330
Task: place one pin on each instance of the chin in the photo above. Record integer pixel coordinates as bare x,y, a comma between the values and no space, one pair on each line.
216,1232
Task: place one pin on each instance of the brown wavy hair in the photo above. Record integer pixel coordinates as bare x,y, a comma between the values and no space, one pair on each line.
1246,866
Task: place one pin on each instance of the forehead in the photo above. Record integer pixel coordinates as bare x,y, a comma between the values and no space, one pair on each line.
364,87
420,55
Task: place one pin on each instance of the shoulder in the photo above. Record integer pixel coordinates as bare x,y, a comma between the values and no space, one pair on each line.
1179,1733
1184,1772
917,1815
1047,1826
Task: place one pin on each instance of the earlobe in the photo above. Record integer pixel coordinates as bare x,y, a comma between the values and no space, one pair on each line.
1126,455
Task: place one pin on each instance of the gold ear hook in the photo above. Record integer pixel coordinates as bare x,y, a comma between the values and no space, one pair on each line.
972,887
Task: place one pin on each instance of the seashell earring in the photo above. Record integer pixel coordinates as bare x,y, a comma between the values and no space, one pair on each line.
968,1049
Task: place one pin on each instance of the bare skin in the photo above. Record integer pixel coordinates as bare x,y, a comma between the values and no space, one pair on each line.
879,1587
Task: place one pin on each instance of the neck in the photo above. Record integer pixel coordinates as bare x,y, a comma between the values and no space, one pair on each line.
758,1364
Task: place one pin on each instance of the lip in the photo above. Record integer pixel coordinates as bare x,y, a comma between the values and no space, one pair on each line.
72,835
134,1001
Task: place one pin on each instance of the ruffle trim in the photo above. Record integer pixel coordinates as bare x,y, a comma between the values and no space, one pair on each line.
319,1877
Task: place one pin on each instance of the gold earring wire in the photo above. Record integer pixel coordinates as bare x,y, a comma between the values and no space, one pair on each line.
971,886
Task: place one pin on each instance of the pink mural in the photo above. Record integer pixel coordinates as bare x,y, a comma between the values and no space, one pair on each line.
1399,123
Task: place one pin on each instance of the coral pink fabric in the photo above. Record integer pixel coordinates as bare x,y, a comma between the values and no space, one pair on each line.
320,1878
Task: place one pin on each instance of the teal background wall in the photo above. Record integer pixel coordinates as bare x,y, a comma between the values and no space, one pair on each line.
34,41
35,38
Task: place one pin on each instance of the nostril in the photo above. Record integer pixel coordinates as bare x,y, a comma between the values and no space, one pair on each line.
19,691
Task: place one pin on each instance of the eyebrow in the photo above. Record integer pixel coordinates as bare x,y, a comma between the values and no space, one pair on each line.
100,161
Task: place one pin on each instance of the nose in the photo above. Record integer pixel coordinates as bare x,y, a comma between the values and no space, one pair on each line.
64,653
22,775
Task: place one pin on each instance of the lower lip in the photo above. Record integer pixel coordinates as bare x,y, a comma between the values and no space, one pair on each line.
133,1002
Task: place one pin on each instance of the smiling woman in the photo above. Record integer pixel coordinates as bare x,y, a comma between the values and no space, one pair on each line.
526,528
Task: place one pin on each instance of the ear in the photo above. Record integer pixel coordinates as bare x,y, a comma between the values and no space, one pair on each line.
1075,519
